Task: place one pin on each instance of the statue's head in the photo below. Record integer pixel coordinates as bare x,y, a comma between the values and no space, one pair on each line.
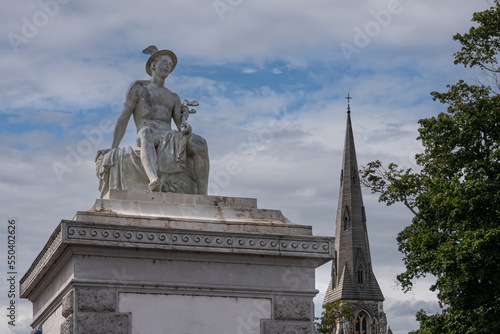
159,56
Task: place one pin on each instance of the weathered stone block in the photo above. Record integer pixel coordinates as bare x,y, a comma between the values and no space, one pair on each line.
67,304
96,300
287,327
67,325
286,308
108,323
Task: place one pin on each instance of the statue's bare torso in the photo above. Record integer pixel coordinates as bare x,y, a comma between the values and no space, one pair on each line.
154,107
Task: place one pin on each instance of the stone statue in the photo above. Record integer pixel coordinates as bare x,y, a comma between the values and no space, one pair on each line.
164,160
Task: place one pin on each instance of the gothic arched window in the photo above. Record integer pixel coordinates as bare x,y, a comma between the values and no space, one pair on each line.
361,324
346,218
360,275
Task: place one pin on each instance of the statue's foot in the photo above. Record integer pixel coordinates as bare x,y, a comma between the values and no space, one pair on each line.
155,183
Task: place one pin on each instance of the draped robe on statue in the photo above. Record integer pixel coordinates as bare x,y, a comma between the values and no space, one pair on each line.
122,168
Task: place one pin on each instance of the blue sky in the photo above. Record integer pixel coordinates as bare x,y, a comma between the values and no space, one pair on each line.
271,78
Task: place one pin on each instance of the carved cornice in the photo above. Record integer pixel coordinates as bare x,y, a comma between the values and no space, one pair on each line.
195,240
43,260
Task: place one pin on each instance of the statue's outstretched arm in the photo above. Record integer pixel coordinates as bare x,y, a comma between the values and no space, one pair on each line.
128,108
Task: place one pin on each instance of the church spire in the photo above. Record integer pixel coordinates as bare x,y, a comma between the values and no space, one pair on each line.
352,274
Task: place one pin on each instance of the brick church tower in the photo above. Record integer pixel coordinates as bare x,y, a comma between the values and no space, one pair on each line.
353,280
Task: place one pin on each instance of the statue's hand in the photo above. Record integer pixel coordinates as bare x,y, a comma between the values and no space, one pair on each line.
101,152
186,128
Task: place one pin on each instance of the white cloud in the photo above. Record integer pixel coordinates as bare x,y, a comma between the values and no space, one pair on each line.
249,71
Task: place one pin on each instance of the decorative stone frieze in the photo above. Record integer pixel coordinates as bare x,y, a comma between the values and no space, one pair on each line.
126,236
53,247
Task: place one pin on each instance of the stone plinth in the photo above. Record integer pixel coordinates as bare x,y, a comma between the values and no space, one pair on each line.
170,263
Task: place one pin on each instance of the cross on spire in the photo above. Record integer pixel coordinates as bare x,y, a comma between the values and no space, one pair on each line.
348,103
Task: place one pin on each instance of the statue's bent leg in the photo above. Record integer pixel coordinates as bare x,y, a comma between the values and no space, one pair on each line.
146,141
197,149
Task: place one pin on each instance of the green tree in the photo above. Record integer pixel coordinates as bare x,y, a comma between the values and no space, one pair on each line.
455,196
332,314
481,45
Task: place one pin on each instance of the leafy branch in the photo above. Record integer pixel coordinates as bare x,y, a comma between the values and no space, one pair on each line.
393,184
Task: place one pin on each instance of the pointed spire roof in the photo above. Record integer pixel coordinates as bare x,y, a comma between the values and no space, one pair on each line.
352,274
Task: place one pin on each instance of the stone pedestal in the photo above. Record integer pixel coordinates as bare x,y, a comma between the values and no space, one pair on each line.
156,263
